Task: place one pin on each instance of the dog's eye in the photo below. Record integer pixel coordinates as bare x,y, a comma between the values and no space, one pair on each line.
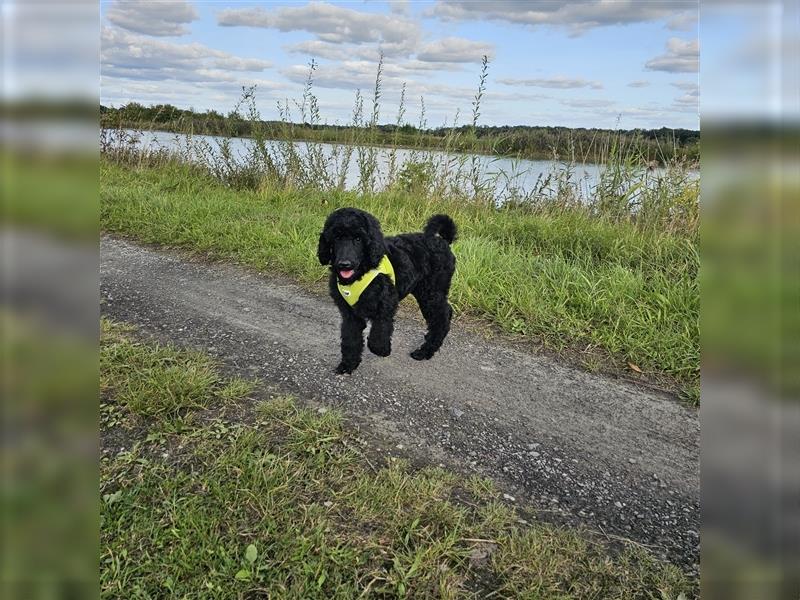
357,239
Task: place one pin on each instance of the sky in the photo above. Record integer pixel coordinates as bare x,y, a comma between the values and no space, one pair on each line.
594,63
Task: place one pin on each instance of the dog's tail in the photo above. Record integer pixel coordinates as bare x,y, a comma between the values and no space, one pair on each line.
441,225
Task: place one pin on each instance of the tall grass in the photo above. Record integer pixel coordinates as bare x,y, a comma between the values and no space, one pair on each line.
630,187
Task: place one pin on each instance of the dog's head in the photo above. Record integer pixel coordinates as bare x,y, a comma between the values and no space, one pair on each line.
351,242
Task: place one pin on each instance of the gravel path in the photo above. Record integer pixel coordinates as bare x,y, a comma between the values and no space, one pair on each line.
583,448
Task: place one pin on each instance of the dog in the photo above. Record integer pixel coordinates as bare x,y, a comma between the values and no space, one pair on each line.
371,273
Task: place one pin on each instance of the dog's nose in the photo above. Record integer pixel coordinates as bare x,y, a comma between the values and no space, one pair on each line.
344,264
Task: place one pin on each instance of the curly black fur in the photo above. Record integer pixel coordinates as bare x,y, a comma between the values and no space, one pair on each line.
352,243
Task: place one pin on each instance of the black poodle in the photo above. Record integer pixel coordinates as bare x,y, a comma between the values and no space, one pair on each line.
370,274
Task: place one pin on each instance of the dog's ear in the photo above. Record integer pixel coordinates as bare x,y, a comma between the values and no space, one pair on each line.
376,246
324,248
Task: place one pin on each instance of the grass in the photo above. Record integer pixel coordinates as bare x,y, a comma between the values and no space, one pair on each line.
604,290
172,381
247,498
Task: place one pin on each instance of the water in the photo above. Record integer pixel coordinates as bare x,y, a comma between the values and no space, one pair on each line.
508,177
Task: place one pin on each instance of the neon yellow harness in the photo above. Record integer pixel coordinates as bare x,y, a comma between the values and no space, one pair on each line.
352,291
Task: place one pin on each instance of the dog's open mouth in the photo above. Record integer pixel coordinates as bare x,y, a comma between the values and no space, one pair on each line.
346,273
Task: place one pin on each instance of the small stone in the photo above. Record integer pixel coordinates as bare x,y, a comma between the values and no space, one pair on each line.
618,504
479,555
509,498
327,504
457,413
399,446
632,461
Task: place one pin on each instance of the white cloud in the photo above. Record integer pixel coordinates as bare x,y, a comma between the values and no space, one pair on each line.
491,96
454,49
360,74
577,16
351,74
682,56
441,100
395,34
587,103
331,51
558,82
687,101
447,53
143,68
399,7
218,96
689,86
162,18
686,21
649,116
690,101
420,66
125,54
639,83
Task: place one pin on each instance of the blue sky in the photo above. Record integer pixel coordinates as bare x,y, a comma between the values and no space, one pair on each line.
596,63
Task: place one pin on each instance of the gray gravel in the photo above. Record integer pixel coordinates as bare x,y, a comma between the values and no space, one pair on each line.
582,448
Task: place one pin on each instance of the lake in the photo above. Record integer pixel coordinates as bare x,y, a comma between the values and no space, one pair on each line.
506,177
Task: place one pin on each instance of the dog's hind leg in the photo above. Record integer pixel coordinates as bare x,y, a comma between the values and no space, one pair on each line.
352,342
437,312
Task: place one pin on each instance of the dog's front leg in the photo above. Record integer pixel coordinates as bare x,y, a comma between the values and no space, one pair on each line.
379,341
352,341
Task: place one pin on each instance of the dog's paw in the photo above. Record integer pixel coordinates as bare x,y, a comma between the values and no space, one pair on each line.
345,368
379,349
421,353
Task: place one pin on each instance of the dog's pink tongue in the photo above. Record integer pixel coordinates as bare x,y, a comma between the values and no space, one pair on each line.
346,274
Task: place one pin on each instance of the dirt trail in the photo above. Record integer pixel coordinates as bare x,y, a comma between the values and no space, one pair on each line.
584,448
